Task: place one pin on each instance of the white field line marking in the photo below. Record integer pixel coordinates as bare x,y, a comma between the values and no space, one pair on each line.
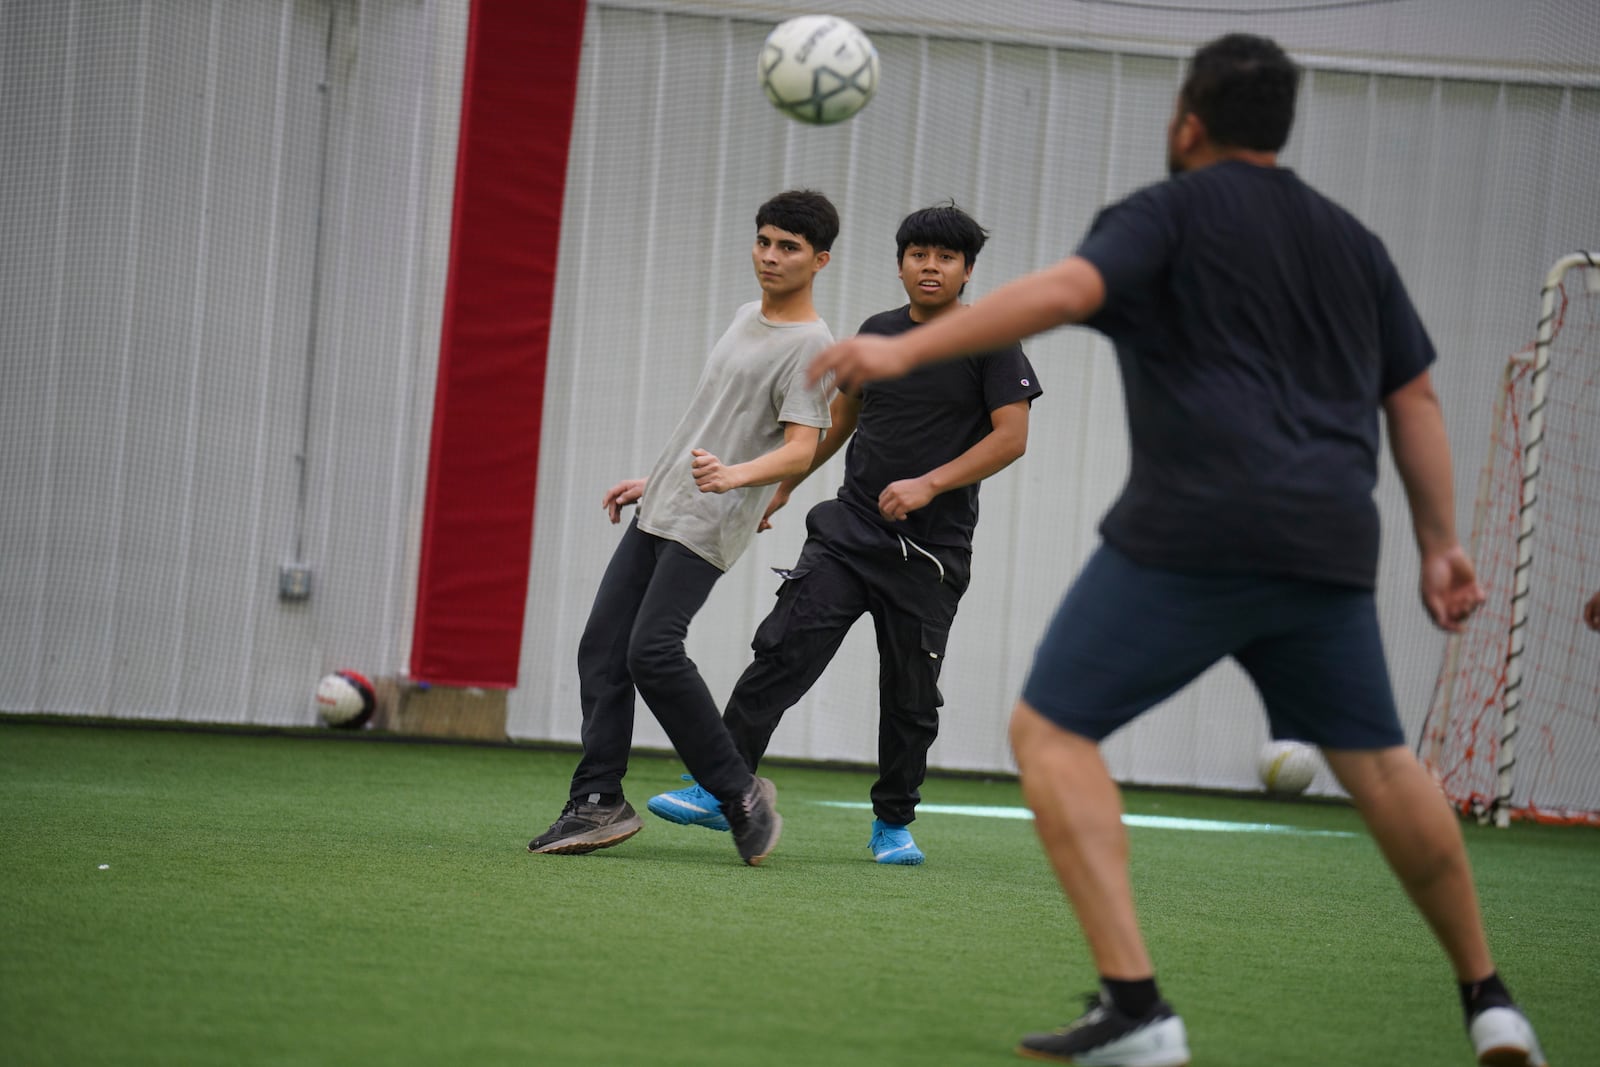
1148,822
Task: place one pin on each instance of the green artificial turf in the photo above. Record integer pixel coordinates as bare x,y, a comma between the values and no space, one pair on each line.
286,899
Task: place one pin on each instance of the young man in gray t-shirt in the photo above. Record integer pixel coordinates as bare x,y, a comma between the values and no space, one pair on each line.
752,423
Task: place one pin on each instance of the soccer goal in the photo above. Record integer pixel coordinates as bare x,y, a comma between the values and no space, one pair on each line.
1514,728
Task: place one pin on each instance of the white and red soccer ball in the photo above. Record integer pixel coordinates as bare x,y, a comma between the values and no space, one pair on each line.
345,700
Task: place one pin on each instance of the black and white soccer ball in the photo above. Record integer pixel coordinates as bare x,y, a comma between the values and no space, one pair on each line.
819,69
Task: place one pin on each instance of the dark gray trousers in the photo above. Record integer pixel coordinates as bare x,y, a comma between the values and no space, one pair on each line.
651,590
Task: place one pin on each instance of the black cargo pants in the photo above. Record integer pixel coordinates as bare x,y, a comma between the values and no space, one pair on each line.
851,566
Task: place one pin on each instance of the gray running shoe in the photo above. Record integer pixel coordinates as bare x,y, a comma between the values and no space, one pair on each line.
585,825
755,821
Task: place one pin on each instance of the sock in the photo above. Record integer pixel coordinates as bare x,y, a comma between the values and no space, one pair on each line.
1132,998
609,800
1480,996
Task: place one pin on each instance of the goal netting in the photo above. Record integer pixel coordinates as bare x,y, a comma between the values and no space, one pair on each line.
1514,728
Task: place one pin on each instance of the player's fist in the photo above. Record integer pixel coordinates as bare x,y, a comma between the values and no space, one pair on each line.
1450,589
901,498
710,476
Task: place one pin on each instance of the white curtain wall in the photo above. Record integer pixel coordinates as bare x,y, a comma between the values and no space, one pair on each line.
225,227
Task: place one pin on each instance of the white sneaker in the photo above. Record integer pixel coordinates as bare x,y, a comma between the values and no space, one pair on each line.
1503,1037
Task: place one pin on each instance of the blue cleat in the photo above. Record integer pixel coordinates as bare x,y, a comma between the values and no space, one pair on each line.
691,806
890,843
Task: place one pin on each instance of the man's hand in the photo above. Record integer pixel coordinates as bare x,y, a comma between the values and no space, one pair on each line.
901,498
620,496
1450,589
710,476
859,359
779,499
1591,612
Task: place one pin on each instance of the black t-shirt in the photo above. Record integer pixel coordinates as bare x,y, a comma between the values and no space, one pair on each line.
1258,326
910,426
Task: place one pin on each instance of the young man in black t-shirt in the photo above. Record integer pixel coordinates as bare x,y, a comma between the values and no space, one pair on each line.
896,542
1260,330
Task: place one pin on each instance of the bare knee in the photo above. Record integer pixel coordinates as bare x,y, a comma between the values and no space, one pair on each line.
1036,741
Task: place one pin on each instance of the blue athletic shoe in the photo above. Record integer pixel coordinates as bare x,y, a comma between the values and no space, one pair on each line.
890,843
692,806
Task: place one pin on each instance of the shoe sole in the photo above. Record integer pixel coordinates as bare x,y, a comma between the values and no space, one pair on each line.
907,855
685,816
1507,1057
890,859
1034,1054
583,844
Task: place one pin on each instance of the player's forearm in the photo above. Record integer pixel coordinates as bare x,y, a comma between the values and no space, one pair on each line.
993,454
792,459
1421,451
1065,292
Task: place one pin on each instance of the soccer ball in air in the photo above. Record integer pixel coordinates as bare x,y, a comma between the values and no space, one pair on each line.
818,69
345,700
1287,766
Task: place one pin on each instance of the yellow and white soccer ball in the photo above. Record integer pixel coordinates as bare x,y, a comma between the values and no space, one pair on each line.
819,69
1288,767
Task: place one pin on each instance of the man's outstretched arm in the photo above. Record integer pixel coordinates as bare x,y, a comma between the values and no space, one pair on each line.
1066,292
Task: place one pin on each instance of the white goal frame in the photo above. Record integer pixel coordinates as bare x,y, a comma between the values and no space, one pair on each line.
1528,512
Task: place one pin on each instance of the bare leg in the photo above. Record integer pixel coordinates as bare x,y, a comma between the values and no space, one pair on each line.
1418,834
1078,815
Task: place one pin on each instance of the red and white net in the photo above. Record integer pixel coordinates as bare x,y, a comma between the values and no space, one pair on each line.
1555,754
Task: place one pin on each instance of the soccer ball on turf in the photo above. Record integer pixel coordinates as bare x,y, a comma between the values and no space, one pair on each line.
345,700
818,69
1287,766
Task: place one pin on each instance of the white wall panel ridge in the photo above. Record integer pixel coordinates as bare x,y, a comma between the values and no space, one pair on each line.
223,256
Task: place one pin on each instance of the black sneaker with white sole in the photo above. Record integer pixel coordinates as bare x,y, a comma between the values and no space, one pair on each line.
1104,1037
755,821
585,824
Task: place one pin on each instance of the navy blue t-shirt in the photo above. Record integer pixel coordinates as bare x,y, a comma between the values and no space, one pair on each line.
908,427
1258,327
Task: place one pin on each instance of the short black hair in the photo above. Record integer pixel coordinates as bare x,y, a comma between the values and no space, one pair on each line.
805,212
941,226
1242,89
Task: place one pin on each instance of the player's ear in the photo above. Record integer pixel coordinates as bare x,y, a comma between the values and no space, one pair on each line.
1189,133
822,259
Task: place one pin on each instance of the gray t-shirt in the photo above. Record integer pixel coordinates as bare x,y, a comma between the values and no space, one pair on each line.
754,382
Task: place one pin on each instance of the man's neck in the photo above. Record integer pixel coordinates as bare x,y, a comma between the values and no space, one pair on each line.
1211,154
790,307
921,315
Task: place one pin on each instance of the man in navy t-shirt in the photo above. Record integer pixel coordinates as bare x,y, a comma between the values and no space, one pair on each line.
1260,329
896,543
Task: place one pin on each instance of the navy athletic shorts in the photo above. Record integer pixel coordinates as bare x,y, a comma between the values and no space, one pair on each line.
1126,637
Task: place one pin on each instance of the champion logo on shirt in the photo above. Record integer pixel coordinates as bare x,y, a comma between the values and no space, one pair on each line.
1026,384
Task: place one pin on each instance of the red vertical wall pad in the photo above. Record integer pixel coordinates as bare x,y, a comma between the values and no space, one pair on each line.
518,95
